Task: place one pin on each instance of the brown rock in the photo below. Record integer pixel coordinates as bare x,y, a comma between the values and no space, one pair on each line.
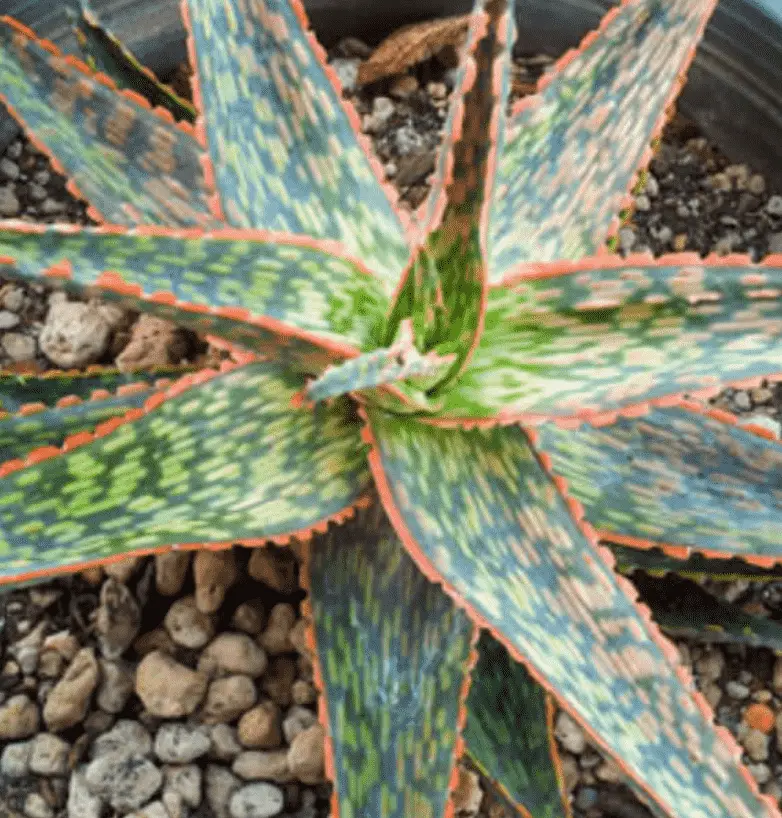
215,572
167,689
188,626
92,576
74,334
122,570
468,795
303,692
274,567
170,571
298,637
157,639
228,698
259,728
306,755
70,697
256,765
64,643
276,638
233,653
18,718
278,680
153,342
250,618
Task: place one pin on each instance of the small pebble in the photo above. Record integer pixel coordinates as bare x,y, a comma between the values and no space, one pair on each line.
774,206
756,744
569,734
49,755
258,800
35,806
15,759
737,690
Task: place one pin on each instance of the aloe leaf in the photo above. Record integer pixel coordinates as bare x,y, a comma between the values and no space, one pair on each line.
656,563
674,477
50,387
394,654
215,459
260,290
683,609
508,734
589,338
284,149
444,288
382,367
472,506
21,434
106,53
131,163
573,150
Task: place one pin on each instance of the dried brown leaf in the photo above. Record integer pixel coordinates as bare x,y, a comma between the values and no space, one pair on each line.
412,45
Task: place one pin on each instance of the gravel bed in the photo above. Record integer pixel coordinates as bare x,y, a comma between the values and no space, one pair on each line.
86,730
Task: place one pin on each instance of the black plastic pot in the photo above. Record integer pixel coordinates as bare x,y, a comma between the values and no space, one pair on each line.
733,91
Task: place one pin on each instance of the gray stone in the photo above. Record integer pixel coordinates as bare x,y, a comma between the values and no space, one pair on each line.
570,735
36,192
221,784
49,755
8,320
736,690
15,760
774,206
296,721
347,72
81,802
74,334
18,718
775,243
35,806
9,204
382,111
18,347
125,738
156,809
225,744
9,169
652,188
642,203
186,781
116,686
27,649
626,239
127,782
118,619
181,743
259,800
741,401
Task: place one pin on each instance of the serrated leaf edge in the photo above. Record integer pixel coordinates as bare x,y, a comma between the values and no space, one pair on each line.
162,114
627,201
75,441
113,281
323,709
676,551
667,648
364,142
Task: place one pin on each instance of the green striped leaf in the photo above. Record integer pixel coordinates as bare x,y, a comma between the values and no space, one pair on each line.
394,653
596,336
103,51
257,289
383,367
478,512
508,733
133,165
284,149
218,461
657,564
50,387
573,150
683,609
21,434
674,477
444,288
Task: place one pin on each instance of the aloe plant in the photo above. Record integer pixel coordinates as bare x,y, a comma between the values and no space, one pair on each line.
440,373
